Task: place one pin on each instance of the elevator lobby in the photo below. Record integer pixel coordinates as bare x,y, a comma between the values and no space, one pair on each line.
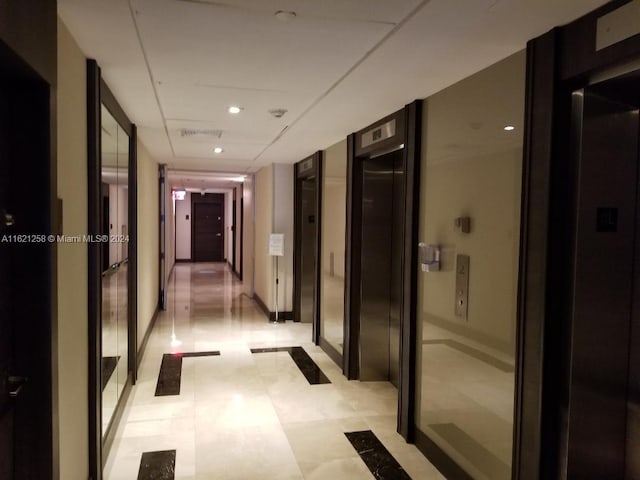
286,239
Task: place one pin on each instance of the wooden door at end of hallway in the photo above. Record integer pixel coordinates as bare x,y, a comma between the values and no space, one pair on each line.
208,228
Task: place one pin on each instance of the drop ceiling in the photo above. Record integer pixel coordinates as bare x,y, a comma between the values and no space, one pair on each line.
336,67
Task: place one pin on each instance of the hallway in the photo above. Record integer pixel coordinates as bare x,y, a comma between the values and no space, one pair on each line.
244,415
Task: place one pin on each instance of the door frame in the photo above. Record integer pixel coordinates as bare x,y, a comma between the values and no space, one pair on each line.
408,131
304,169
29,62
558,63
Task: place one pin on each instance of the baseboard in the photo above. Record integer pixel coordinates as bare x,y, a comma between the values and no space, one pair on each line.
147,334
184,260
282,316
443,462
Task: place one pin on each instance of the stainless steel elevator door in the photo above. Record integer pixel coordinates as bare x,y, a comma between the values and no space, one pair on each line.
308,227
607,146
381,251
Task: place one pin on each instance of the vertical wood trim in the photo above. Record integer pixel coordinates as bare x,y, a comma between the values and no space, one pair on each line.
408,316
94,274
132,271
351,366
538,150
317,291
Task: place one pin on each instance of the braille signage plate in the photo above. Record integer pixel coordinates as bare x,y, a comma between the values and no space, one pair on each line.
379,133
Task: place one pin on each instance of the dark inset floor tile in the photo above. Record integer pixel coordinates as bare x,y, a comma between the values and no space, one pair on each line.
305,363
200,354
158,465
170,375
307,366
376,457
109,365
171,371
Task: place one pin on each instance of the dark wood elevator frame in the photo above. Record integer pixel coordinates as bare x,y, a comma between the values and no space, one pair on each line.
316,169
409,133
98,94
558,63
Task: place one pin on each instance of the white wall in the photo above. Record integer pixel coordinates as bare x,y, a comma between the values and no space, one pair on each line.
148,240
283,186
183,228
72,331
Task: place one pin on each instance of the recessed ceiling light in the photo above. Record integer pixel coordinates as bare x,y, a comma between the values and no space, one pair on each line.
509,128
218,150
234,109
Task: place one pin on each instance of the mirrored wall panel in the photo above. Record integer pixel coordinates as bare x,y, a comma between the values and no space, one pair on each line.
334,208
114,258
470,222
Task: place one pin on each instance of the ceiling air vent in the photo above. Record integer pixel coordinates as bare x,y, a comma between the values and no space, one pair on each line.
200,132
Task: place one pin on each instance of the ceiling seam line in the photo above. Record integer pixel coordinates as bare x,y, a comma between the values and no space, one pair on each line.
153,83
335,85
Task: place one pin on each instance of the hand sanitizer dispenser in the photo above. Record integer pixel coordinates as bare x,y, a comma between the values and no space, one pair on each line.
429,257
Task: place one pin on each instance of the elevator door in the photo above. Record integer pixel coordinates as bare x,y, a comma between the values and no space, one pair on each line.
603,404
381,255
307,220
6,318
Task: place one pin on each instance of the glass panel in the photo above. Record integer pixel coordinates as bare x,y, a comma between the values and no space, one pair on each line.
334,198
119,239
472,168
110,360
115,158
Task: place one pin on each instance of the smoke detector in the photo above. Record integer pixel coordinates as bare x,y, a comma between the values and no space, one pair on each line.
200,132
285,16
278,112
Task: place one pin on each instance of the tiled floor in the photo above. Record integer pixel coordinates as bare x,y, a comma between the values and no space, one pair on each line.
243,415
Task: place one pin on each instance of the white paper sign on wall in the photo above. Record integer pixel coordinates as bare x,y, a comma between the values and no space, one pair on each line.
276,244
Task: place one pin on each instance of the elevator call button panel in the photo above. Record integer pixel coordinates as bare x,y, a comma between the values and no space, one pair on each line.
462,286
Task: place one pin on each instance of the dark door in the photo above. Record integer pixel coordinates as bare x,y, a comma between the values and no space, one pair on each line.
603,418
6,324
208,231
308,236
381,255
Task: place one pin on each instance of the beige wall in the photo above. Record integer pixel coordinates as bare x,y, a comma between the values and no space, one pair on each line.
283,223
472,167
72,260
148,248
248,236
264,266
334,208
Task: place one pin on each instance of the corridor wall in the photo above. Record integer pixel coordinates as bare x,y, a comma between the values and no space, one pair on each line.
72,336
